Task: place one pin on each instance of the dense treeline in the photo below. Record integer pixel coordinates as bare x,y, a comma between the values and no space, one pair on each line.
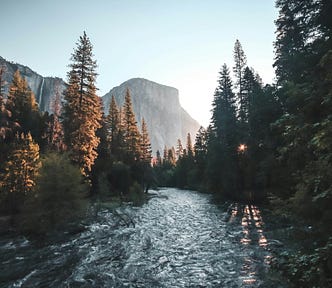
50,164
273,142
235,157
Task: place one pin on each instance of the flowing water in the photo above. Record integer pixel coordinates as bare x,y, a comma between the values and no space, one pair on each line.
177,239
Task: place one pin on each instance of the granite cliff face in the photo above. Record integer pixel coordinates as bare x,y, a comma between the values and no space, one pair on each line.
167,121
43,87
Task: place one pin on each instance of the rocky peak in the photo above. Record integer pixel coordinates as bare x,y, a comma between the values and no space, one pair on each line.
42,87
159,104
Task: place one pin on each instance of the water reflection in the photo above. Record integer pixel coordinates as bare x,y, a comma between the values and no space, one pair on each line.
252,230
252,225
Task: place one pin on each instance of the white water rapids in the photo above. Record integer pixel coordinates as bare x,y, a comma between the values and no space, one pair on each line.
177,239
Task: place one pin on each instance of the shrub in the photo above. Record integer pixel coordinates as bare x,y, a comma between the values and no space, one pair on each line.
58,197
136,194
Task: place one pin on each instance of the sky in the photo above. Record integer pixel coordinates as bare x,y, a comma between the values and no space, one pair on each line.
179,43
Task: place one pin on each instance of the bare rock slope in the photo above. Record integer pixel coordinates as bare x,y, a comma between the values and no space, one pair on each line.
42,87
159,105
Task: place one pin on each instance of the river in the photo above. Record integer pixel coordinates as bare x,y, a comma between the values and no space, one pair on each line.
178,239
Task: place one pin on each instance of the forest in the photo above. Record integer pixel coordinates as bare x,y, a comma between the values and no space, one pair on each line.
267,144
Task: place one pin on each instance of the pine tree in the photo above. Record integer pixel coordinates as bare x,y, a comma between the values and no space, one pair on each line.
165,155
82,111
22,104
131,133
223,139
224,123
113,125
298,31
171,157
146,151
200,147
190,148
159,161
239,67
303,67
179,149
21,170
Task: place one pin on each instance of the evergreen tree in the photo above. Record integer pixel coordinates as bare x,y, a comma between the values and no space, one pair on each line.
102,168
304,96
165,155
146,156
240,61
171,157
20,172
190,148
23,107
113,124
303,67
200,160
158,159
83,108
146,151
200,149
130,130
224,109
179,149
57,199
223,139
298,31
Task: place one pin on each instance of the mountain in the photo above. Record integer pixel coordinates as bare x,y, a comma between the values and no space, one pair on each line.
42,87
167,121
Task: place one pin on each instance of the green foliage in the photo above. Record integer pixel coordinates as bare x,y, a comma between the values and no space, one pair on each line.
136,194
20,171
82,111
308,270
58,199
114,129
303,65
120,178
131,134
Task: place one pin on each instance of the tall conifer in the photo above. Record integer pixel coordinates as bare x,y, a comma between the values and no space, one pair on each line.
223,142
146,151
22,104
240,61
131,133
113,125
83,108
21,170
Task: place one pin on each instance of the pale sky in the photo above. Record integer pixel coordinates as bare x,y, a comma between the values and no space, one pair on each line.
179,43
